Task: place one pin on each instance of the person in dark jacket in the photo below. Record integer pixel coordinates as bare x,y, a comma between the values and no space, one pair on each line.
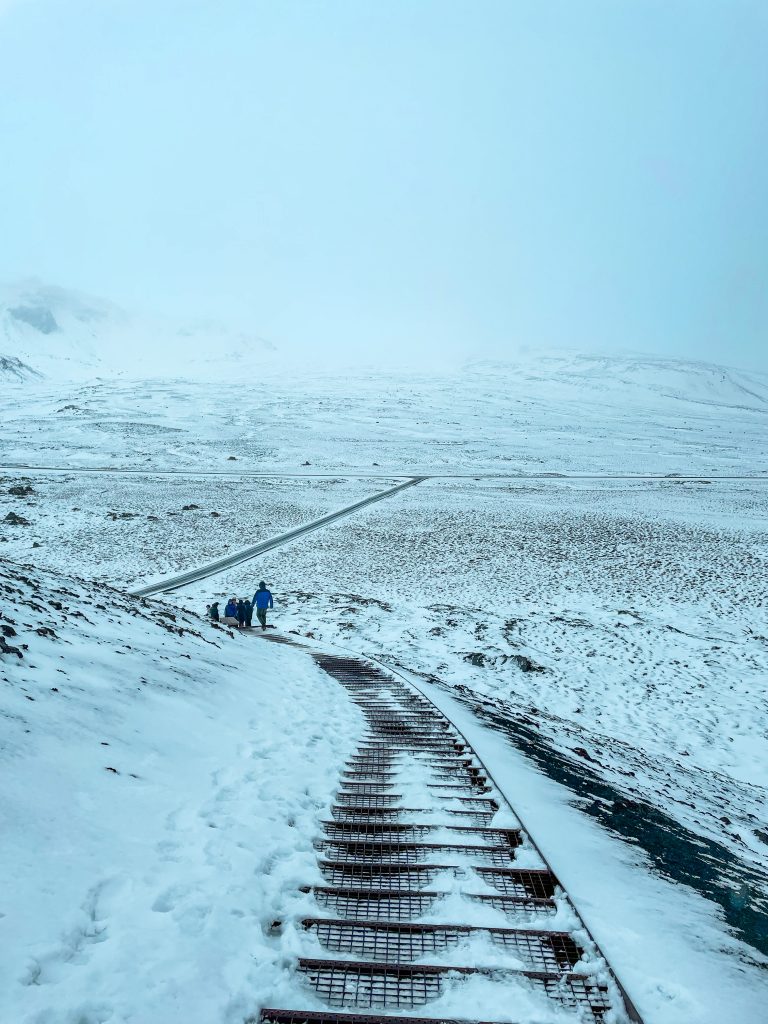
241,614
230,611
262,600
213,612
248,613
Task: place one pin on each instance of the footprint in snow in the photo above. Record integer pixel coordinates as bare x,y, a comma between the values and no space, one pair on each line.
75,946
169,900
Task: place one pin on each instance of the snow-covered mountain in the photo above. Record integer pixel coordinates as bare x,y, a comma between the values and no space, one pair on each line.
64,334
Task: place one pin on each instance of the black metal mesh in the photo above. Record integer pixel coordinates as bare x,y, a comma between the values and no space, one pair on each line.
387,832
384,944
382,814
514,882
514,905
275,1016
369,799
540,951
370,986
385,876
455,788
368,772
414,853
549,952
395,832
463,775
378,853
375,985
372,762
577,992
376,905
376,786
373,814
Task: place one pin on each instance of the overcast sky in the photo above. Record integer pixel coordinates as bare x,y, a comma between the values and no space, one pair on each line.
431,177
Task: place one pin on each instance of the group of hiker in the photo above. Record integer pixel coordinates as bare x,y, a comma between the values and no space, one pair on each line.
239,612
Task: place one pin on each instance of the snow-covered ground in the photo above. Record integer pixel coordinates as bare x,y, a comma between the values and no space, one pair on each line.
156,820
625,619
614,630
561,414
668,946
129,527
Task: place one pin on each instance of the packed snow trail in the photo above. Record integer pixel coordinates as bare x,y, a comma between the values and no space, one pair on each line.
436,896
172,583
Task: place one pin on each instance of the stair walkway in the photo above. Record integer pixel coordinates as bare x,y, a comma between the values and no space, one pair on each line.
437,906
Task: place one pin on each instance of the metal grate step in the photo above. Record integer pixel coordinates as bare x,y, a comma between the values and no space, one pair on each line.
379,814
412,853
519,882
375,904
342,983
272,1016
392,831
397,905
550,952
382,876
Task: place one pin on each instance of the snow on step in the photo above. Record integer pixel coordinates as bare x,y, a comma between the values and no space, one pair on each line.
434,898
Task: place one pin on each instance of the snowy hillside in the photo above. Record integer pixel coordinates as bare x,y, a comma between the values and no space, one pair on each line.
640,380
13,369
155,823
66,335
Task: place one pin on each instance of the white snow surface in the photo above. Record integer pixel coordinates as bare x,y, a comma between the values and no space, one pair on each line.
549,415
161,792
643,602
49,331
663,939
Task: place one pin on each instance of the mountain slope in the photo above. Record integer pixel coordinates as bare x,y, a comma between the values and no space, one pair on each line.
640,380
64,334
154,822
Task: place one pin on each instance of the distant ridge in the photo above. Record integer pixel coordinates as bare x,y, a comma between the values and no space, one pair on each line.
637,379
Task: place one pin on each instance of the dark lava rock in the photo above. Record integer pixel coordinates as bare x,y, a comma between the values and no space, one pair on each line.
526,665
7,649
13,520
475,658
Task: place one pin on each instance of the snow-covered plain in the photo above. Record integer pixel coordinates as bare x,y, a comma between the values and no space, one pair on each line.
559,414
130,527
621,622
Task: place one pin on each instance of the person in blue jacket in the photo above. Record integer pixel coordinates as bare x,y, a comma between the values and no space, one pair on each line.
262,600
